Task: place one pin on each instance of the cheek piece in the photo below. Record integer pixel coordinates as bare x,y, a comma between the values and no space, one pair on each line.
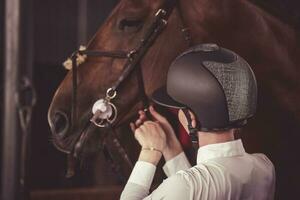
193,132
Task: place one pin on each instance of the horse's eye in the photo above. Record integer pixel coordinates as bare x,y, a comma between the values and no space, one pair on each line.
130,25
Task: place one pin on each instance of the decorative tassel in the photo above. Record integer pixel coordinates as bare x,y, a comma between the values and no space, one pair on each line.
80,59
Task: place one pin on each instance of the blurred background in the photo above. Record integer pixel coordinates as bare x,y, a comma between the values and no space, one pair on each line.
50,31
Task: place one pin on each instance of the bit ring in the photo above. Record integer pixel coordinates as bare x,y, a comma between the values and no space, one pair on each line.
111,93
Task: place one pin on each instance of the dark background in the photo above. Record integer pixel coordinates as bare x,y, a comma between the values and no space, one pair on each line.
56,32
1,71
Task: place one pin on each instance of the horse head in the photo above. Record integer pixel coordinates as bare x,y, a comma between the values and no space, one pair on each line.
124,30
267,44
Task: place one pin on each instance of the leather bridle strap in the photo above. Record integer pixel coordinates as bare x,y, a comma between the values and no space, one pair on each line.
137,54
141,88
74,89
111,54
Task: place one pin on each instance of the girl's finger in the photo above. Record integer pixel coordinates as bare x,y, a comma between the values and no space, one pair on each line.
141,112
137,133
143,128
132,127
156,115
138,122
142,115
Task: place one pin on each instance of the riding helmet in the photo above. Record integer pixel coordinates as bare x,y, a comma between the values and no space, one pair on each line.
215,83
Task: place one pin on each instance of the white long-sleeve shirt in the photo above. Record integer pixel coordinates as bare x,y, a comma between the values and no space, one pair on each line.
223,171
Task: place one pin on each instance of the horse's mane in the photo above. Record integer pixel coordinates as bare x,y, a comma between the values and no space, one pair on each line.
287,14
285,32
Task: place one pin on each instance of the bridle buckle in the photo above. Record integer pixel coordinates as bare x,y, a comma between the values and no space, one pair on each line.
161,13
131,54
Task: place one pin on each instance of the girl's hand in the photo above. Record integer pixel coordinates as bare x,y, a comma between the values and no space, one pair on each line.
152,138
173,146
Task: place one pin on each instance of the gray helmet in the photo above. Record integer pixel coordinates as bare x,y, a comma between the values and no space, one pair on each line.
216,84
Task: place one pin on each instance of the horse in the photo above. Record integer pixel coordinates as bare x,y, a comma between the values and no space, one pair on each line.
269,46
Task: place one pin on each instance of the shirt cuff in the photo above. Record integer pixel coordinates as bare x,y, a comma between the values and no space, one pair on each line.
179,162
142,174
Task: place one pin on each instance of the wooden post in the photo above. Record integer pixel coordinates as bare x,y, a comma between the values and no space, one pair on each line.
25,73
11,134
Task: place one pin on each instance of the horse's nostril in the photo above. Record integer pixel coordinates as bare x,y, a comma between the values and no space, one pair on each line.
61,124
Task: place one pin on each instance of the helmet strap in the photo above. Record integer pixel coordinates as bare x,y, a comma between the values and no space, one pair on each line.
193,132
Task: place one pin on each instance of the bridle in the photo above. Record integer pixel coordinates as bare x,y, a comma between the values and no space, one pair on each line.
104,111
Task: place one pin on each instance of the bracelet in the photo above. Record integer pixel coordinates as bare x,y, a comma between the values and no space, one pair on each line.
152,149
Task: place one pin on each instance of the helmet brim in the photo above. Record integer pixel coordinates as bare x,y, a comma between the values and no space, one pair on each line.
161,97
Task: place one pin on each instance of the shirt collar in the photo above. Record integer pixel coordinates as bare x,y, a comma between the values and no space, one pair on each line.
218,150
